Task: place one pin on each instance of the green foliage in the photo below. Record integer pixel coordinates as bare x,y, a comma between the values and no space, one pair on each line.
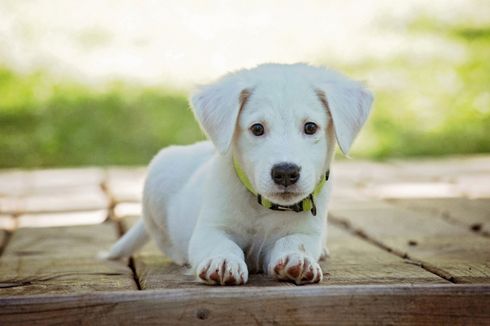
48,124
426,106
431,106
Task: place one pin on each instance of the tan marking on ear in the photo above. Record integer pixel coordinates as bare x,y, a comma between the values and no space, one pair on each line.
323,99
244,96
242,100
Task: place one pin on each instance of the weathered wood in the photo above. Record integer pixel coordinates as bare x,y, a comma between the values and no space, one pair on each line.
61,260
434,237
437,178
12,182
56,200
22,182
355,261
124,210
41,275
75,241
62,218
444,169
448,250
7,222
472,213
3,240
410,189
474,186
125,184
352,261
156,271
333,305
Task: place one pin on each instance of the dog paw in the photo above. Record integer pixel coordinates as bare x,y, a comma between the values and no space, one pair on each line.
296,268
223,271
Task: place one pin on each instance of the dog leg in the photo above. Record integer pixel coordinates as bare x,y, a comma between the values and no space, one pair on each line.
217,259
294,258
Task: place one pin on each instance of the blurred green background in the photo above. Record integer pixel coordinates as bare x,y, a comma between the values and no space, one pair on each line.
424,105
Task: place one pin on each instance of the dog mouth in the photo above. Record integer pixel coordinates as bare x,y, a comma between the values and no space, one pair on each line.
287,197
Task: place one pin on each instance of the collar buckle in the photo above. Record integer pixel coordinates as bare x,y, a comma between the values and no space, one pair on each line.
295,208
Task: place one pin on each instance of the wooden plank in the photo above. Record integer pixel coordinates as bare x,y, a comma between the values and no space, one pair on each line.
76,241
443,169
62,260
319,305
410,190
35,275
153,269
156,271
471,213
3,240
355,261
56,200
125,184
448,250
474,186
448,177
12,182
7,222
352,261
126,210
22,182
62,218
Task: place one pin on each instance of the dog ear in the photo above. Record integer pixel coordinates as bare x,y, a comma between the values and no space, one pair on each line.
349,104
216,107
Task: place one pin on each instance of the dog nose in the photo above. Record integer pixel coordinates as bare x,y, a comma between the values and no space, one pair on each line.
285,174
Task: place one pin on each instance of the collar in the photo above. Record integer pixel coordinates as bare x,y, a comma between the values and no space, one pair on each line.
307,204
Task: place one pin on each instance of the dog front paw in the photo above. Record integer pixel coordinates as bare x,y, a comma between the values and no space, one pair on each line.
296,268
223,271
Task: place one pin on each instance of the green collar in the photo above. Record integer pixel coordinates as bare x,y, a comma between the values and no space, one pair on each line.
307,204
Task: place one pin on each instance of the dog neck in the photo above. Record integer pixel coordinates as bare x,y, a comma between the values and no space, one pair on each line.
307,204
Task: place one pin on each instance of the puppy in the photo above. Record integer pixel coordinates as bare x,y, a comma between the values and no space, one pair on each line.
253,198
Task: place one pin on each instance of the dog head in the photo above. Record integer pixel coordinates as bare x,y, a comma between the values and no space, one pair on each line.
281,122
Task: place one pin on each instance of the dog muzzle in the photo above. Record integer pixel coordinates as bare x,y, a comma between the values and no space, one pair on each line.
307,204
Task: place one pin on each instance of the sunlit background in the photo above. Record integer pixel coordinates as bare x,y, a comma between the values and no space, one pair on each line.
105,82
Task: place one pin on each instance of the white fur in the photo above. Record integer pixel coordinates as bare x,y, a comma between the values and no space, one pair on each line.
199,212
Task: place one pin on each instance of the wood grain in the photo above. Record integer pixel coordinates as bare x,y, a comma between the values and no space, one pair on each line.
474,214
352,261
391,262
62,218
61,260
75,241
7,222
125,184
448,250
334,305
24,183
35,275
56,200
355,261
3,239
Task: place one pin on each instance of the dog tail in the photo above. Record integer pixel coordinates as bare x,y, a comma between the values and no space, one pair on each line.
131,241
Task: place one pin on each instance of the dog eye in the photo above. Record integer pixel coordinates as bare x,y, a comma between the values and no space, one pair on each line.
310,128
257,129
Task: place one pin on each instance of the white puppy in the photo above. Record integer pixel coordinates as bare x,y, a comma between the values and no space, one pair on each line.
255,197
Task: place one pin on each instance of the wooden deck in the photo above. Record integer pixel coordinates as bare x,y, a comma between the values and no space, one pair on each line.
409,242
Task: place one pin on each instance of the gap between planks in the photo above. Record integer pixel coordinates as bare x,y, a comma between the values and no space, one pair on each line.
436,206
106,189
353,261
362,235
121,231
4,240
